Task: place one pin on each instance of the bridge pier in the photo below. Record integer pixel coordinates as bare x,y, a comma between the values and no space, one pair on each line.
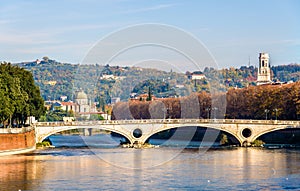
246,143
137,144
87,132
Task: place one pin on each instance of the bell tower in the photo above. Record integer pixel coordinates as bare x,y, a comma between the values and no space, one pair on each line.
264,71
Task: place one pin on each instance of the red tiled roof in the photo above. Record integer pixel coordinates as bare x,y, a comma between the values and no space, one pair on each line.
91,113
67,103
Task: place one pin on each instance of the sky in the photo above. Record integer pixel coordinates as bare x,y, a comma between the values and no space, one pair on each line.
233,31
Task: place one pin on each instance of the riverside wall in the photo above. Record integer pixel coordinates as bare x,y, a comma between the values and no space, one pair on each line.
16,140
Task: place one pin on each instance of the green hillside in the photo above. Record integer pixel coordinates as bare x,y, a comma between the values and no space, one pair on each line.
57,79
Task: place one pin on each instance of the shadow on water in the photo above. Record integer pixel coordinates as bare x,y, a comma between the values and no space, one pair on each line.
177,137
77,145
61,152
164,139
285,138
75,141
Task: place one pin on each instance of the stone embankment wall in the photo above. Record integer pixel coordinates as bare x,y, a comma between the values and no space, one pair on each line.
23,139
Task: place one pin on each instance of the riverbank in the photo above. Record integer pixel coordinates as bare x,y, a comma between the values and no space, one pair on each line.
17,140
16,151
139,146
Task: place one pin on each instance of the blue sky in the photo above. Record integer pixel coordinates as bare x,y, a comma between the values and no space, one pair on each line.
232,30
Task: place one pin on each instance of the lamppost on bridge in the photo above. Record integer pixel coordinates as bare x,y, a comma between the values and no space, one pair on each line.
215,111
267,111
166,112
276,110
207,110
169,110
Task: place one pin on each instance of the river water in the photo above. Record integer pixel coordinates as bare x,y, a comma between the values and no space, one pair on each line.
104,166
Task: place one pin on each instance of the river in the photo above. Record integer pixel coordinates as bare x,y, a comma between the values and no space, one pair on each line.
104,166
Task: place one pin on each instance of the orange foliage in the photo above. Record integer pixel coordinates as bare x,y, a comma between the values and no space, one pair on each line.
282,101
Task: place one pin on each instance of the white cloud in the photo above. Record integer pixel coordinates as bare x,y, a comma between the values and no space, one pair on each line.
3,21
152,8
83,27
56,48
256,42
36,36
27,38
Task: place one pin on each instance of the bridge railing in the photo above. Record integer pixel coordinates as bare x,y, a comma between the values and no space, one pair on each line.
166,121
16,130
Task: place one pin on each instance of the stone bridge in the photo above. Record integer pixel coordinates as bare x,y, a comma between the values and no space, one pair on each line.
138,131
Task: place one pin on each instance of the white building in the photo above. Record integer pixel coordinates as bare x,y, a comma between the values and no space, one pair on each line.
81,105
198,76
115,100
264,71
82,101
63,98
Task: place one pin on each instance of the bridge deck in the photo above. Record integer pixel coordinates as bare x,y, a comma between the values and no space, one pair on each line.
168,121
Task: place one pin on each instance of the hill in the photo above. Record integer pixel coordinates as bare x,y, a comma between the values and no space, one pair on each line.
57,79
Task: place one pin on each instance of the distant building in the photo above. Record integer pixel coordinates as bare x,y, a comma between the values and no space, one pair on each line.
143,97
115,100
107,76
55,105
68,106
81,99
84,106
63,98
197,75
179,86
264,70
133,95
37,61
81,105
68,119
51,83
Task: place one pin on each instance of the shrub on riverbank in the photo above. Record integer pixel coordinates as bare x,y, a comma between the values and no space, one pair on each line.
257,143
43,144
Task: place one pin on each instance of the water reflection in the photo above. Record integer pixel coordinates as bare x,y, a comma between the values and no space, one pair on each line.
79,169
19,171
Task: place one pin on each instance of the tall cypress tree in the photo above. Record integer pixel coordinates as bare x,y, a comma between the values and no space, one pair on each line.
149,98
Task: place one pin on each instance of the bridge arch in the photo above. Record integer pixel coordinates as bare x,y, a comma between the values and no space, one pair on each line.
57,130
227,130
194,125
161,130
273,130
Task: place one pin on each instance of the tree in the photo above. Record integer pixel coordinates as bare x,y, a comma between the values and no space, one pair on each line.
223,139
96,117
20,96
45,58
149,98
6,108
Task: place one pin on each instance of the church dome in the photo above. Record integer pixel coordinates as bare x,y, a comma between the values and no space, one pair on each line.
81,95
